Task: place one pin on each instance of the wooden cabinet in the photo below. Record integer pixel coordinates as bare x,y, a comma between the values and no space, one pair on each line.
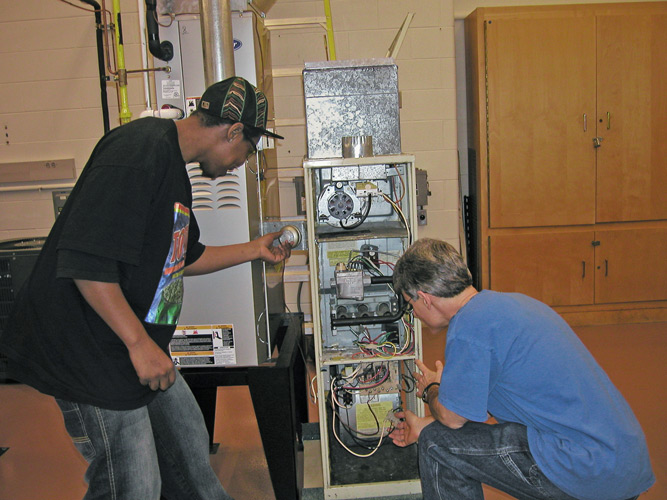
582,267
541,93
554,267
631,264
567,108
632,116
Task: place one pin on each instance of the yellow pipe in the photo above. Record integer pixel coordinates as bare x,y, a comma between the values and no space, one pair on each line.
125,113
331,45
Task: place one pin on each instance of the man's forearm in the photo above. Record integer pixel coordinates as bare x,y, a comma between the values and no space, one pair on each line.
440,413
108,301
153,366
216,258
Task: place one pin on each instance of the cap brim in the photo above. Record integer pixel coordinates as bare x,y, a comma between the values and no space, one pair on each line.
270,134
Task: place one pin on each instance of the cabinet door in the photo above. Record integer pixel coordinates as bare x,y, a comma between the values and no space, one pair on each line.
632,117
556,268
541,105
631,265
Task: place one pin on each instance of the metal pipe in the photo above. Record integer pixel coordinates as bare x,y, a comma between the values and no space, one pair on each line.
124,113
368,320
99,33
141,8
217,40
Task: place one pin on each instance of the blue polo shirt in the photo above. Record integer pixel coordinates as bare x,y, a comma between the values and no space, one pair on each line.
515,358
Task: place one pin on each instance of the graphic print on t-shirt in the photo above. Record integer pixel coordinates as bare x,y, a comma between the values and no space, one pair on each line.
168,300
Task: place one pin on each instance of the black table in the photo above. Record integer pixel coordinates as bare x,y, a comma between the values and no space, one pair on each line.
278,391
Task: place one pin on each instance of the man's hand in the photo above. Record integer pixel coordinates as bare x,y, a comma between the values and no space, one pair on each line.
427,376
270,253
216,258
407,431
154,368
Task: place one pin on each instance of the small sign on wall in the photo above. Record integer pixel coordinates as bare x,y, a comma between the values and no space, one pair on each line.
30,171
59,199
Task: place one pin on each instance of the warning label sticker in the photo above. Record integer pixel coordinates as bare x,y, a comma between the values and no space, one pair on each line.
171,89
203,345
371,416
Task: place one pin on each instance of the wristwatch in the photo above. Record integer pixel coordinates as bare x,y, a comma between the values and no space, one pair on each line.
426,389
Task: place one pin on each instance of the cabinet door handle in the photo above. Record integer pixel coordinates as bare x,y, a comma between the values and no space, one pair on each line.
606,268
585,122
608,120
583,268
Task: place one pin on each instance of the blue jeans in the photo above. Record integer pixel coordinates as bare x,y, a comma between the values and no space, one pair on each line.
454,463
137,454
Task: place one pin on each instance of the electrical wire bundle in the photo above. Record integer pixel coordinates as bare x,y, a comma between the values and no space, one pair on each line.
381,346
362,216
395,204
363,378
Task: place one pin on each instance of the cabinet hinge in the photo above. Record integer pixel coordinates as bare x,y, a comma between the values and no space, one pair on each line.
595,243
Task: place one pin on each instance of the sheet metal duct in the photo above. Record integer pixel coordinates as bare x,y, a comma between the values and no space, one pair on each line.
351,98
217,40
216,29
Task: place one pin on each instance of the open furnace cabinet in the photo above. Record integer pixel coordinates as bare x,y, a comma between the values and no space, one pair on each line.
361,216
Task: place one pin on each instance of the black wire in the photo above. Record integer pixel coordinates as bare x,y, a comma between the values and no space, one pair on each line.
298,293
346,427
366,443
362,219
282,282
298,297
411,382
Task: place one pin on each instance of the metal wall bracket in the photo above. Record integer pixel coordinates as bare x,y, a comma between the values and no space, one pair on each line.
269,226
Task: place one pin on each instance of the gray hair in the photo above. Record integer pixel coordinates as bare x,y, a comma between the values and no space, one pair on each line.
431,266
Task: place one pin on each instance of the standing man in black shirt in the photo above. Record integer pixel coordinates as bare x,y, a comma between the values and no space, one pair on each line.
92,325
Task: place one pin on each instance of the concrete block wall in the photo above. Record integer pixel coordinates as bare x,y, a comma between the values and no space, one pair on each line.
50,97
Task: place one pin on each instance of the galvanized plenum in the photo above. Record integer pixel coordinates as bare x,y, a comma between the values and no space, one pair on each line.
351,98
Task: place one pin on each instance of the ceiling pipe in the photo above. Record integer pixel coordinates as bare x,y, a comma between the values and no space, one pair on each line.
217,40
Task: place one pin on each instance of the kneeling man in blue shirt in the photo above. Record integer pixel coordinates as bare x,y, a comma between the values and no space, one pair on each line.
564,431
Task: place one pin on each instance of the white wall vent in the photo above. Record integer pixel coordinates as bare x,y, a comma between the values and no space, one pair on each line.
207,194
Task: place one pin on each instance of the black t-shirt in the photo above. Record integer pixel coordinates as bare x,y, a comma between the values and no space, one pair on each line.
128,220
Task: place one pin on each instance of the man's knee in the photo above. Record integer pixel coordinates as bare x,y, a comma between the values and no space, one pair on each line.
434,434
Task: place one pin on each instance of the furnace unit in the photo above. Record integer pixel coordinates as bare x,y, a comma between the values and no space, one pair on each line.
362,215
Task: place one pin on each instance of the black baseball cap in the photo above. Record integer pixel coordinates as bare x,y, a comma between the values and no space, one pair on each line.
238,100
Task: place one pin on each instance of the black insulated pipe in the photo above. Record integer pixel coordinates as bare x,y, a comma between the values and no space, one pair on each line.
100,62
165,50
374,320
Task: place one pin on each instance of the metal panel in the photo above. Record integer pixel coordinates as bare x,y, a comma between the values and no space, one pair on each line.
227,210
351,98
